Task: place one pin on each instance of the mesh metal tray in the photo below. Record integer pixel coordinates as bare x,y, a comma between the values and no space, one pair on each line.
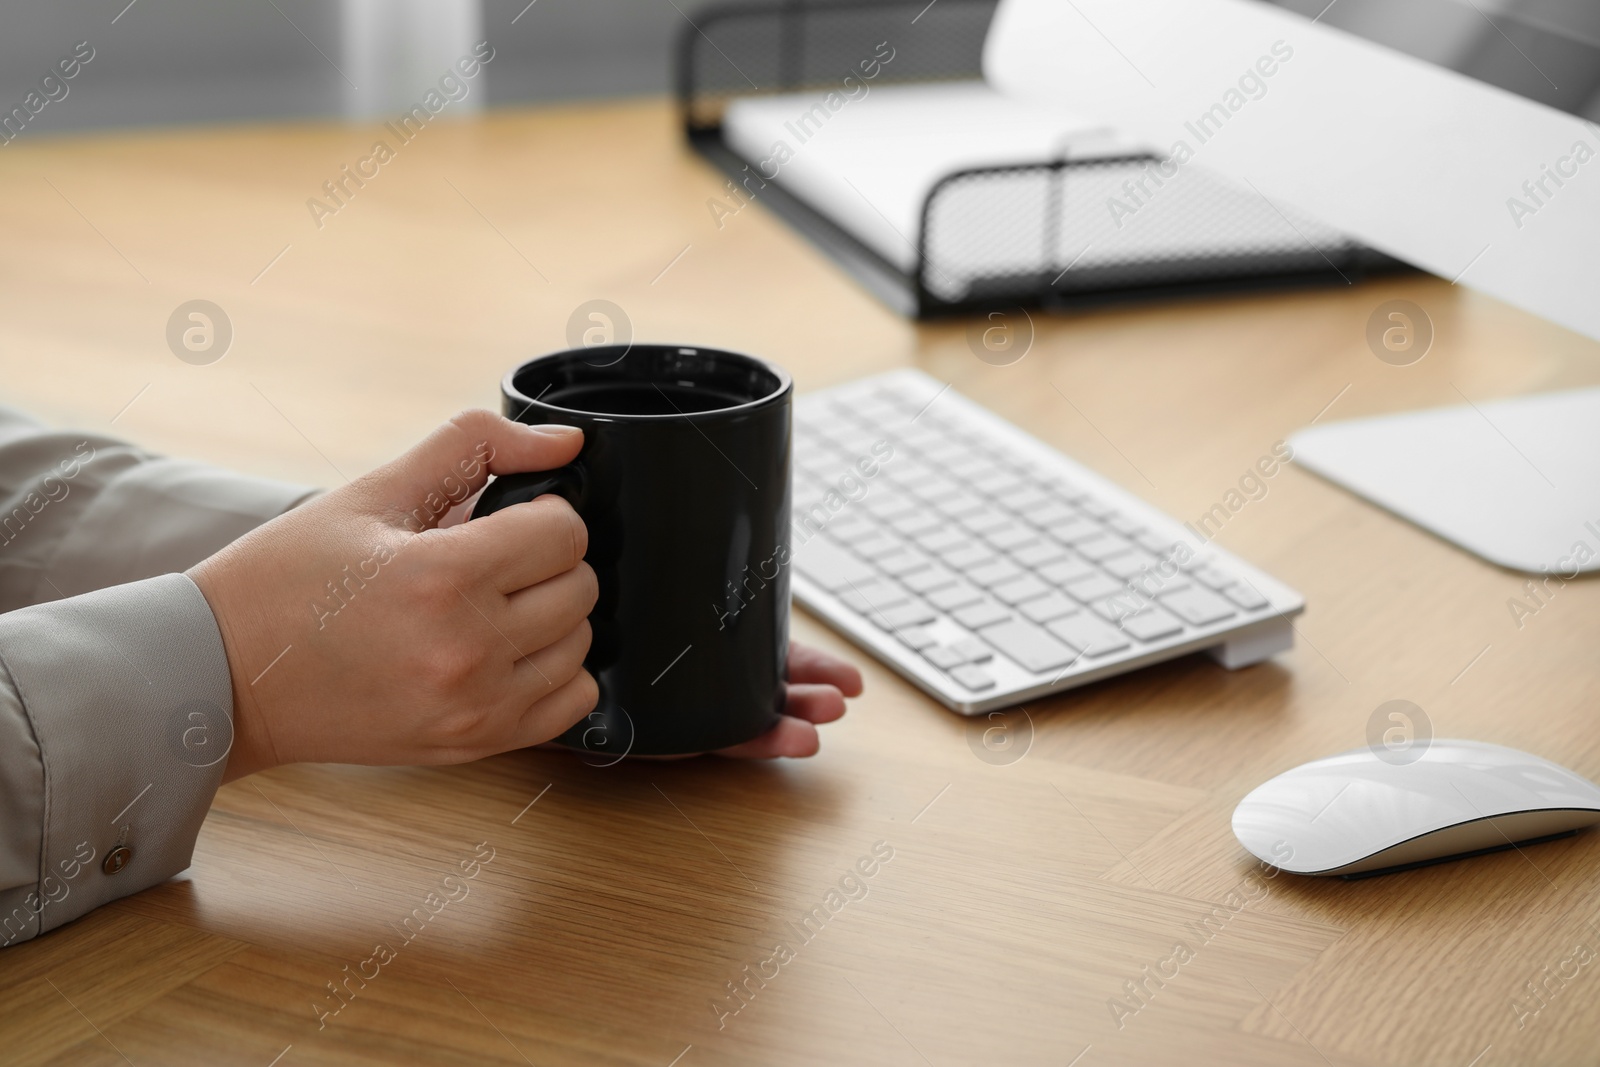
1031,233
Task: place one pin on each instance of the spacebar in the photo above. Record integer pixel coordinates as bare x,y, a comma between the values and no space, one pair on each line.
1028,645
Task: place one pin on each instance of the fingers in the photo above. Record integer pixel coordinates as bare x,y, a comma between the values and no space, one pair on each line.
542,614
523,544
795,736
455,461
539,673
557,711
812,665
813,703
791,738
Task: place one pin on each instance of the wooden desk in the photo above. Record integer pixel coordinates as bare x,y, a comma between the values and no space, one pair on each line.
617,907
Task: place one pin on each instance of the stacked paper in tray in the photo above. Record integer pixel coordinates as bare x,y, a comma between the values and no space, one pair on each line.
868,163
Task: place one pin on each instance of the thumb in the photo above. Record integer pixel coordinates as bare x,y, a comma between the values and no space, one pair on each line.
455,461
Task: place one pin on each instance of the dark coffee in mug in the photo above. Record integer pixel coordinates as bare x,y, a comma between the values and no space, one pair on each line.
683,482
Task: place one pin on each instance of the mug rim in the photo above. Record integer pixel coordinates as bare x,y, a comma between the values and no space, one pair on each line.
509,390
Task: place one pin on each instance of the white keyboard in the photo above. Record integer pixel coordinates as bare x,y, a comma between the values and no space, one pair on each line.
988,568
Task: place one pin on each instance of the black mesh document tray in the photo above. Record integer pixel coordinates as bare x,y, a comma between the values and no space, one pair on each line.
1031,232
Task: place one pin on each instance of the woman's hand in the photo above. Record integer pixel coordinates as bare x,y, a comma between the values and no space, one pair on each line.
818,684
372,624
358,630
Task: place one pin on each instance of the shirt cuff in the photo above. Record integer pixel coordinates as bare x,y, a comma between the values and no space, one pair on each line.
127,695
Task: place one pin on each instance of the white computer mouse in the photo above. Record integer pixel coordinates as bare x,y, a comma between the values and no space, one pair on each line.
1361,812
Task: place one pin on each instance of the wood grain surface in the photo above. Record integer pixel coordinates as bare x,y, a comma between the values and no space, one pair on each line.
1019,896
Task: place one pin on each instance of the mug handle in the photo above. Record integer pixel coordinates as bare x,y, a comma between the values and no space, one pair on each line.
507,489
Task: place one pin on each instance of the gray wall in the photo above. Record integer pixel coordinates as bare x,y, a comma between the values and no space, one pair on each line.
171,60
185,61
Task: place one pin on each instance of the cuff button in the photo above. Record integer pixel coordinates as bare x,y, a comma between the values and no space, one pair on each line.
117,859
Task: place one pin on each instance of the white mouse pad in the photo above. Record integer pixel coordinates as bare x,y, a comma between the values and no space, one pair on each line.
1516,482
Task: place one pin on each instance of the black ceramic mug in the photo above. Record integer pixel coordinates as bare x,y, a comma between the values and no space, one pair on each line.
683,482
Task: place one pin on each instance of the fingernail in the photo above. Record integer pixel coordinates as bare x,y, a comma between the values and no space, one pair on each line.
555,429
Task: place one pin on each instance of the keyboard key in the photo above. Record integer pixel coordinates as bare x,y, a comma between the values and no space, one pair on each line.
1245,596
872,594
1163,546
994,573
1152,584
915,638
1050,606
984,613
914,524
1152,624
849,529
1125,526
938,449
971,466
1098,548
1051,513
1030,646
929,579
904,562
968,556
963,503
876,411
973,678
1038,553
1087,634
955,596
1119,607
876,547
1095,587
920,436
1197,606
1125,565
943,538
903,615
1025,499
1211,577
973,650
1067,571
818,461
1066,490
908,471
1009,537
830,566
1007,480
886,504
943,656
1098,509
1078,528
1019,590
937,486
982,522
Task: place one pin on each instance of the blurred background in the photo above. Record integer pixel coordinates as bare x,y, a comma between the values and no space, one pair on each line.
178,61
